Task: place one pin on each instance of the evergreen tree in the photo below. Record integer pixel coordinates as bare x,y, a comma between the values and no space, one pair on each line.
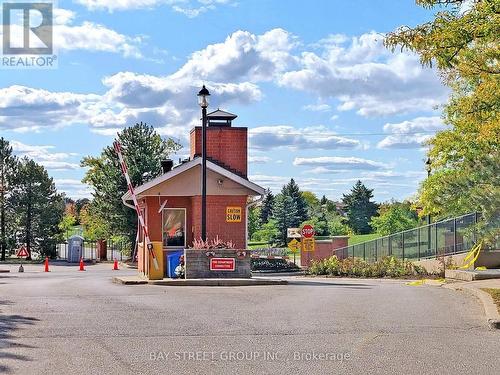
324,200
143,149
253,220
360,209
292,190
285,214
38,208
266,209
7,170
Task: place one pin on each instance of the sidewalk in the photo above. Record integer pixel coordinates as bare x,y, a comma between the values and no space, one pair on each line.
474,288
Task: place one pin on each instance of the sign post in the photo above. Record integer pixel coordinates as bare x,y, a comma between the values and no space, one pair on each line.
307,242
294,246
22,252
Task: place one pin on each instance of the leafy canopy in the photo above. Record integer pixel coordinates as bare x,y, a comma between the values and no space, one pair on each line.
143,149
463,42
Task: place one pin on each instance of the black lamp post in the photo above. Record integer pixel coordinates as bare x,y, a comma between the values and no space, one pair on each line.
428,169
203,101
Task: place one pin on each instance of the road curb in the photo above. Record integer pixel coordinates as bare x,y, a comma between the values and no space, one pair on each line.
489,307
198,282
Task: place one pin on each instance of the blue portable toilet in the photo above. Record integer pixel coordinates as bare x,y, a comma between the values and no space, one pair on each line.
173,260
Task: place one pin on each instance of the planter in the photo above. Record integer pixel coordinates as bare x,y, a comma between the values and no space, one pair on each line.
217,263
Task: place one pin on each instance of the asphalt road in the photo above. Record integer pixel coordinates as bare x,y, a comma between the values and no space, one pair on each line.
71,322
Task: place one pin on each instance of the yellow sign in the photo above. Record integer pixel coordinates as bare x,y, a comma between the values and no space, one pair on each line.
294,245
233,214
308,244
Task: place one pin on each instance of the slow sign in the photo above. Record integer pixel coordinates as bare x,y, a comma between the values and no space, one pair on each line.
222,264
307,231
233,214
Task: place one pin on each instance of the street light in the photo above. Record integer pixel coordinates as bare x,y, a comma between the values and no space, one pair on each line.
203,98
428,168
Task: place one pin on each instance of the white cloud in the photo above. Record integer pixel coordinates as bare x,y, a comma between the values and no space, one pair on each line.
88,36
190,8
317,107
259,159
242,56
93,37
329,164
27,109
270,137
44,156
73,188
364,76
59,165
411,133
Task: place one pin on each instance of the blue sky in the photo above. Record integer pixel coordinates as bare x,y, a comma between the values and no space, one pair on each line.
325,102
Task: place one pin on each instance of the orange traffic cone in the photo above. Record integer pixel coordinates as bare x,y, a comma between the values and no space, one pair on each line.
115,265
82,267
46,264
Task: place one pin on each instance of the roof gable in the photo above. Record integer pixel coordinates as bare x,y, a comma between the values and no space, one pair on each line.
258,190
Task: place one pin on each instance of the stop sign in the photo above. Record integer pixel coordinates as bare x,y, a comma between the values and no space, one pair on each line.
307,231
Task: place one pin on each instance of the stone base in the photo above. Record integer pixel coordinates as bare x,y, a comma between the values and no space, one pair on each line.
466,275
198,264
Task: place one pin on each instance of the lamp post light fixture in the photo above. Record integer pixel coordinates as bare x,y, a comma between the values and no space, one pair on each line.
203,99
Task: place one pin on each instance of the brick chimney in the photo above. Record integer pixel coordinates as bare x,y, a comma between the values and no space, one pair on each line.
226,145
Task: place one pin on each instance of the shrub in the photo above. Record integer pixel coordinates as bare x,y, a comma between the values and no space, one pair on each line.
356,267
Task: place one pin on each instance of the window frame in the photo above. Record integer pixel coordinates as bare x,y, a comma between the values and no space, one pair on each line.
163,226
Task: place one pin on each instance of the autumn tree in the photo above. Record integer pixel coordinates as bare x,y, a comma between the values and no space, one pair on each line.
463,42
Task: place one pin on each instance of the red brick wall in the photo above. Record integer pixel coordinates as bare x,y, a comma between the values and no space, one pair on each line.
225,144
216,218
324,249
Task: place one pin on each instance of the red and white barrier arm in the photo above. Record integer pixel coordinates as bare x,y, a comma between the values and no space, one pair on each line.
149,245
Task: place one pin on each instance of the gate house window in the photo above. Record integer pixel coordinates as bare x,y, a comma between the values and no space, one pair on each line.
174,227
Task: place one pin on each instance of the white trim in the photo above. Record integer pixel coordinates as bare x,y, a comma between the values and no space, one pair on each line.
190,164
162,206
163,226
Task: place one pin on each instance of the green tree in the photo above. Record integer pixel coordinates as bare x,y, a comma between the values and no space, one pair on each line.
267,232
360,208
395,217
143,149
67,223
38,207
463,42
8,164
253,220
285,214
292,190
94,226
336,225
266,209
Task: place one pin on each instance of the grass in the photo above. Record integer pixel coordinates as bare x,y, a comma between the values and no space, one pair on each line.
495,294
358,238
353,240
